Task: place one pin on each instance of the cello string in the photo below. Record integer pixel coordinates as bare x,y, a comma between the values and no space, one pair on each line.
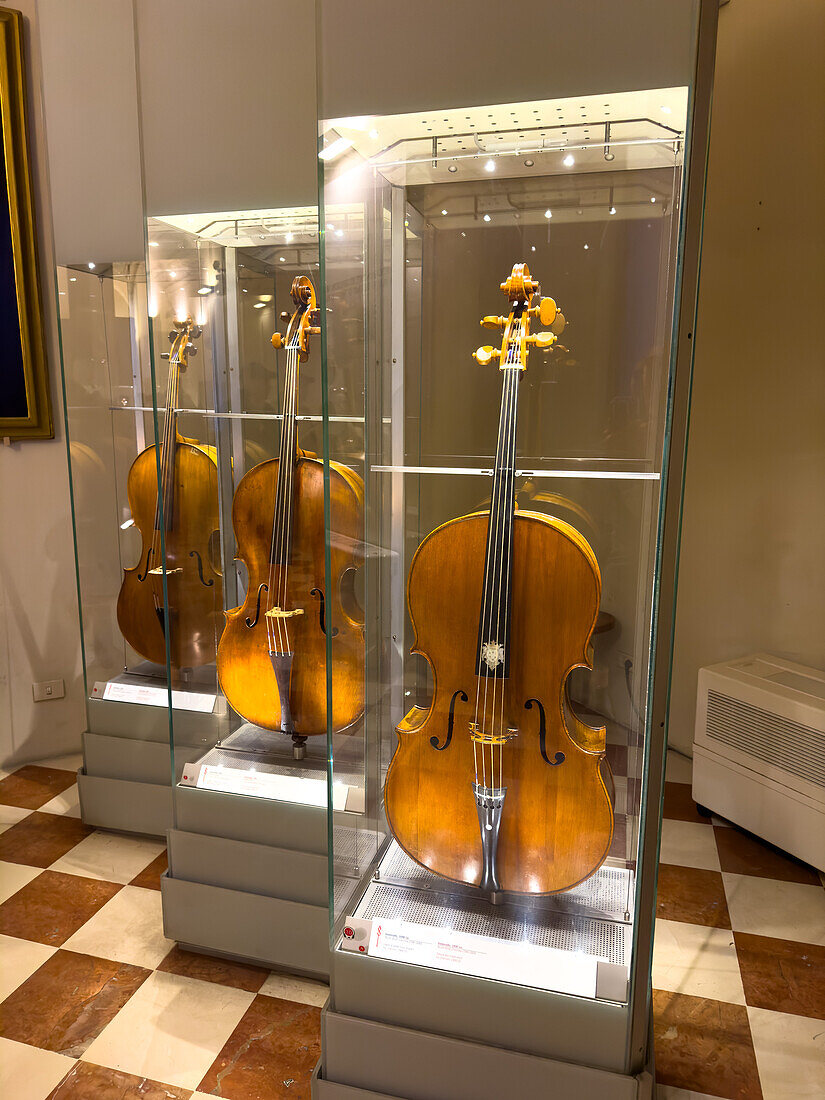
510,520
288,502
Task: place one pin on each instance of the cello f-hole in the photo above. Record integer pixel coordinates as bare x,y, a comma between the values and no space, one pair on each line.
205,583
450,720
317,592
148,559
252,622
559,757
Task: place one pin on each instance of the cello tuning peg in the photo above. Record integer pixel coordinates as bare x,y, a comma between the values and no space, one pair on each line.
315,330
542,340
545,311
558,323
277,340
164,355
485,354
196,332
493,322
191,349
284,315
173,335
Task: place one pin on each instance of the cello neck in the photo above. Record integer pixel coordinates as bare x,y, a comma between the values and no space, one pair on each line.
282,527
166,498
494,620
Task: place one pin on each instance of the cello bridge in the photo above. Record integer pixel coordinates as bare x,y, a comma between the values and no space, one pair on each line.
279,613
158,571
481,738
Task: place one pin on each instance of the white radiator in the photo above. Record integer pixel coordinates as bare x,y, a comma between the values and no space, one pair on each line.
759,751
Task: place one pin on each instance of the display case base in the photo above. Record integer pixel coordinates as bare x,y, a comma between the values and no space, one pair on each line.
124,784
365,1060
248,879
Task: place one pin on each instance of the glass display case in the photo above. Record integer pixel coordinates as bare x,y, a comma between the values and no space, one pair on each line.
502,287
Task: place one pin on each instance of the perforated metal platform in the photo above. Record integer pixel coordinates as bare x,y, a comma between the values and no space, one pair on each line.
607,895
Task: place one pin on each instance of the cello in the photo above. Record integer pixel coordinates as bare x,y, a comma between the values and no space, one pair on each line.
272,654
497,784
174,585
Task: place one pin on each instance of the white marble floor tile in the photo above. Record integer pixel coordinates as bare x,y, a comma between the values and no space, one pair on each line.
28,1073
66,804
303,990
10,815
171,1029
790,1055
678,768
14,876
18,960
697,961
688,844
129,928
109,856
768,907
68,763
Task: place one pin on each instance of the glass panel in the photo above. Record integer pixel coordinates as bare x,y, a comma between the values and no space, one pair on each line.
243,579
507,832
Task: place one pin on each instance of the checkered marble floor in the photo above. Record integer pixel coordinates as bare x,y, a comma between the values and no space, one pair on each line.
98,1005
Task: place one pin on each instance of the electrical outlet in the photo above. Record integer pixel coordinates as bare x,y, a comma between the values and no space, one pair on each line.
48,689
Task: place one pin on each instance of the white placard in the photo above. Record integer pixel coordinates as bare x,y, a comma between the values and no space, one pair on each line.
275,785
151,696
484,957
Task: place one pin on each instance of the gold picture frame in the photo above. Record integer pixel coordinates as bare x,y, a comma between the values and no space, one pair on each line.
25,397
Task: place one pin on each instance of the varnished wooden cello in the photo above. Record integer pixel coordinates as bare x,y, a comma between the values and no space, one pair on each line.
272,654
177,526
497,784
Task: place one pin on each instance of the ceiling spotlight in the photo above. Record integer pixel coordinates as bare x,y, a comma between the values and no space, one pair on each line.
205,290
612,210
259,305
529,163
548,213
569,161
91,266
532,248
288,238
330,226
586,247
282,259
374,135
490,166
173,274
153,244
452,168
244,290
443,211
652,198
73,279
487,217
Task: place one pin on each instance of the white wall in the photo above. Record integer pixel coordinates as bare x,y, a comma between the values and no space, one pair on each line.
752,569
39,635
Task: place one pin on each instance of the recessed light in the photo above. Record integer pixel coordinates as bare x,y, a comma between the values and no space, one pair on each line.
330,226
205,290
154,244
443,211
288,238
282,259
652,198
548,213
532,248
259,305
665,110
612,210
339,232
529,163
586,247
452,168
173,274
490,166
487,217
91,266
569,161
374,134
73,279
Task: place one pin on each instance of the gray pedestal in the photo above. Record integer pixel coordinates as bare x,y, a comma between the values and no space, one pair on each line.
247,880
365,1060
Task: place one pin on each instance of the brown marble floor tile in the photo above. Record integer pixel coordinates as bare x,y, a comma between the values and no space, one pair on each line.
679,804
744,854
190,964
149,877
692,895
782,975
90,1082
40,839
66,1004
704,1046
32,786
269,1055
53,906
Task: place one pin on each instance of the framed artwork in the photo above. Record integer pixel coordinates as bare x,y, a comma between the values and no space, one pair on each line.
25,402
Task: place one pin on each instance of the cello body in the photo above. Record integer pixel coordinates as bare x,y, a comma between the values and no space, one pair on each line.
189,516
498,784
244,666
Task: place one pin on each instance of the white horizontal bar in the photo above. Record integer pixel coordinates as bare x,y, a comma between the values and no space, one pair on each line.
607,475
